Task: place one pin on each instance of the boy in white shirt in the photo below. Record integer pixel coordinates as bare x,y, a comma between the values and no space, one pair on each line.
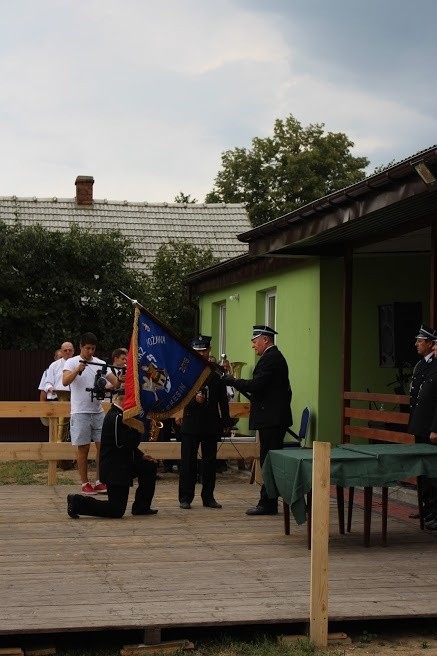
86,414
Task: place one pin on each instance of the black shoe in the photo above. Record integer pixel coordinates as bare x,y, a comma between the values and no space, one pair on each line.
185,505
261,510
430,517
70,507
146,511
212,503
431,526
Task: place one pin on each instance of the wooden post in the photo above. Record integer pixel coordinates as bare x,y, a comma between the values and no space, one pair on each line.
319,544
432,281
347,337
53,437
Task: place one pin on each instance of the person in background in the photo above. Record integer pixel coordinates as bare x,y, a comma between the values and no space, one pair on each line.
55,371
119,357
270,394
423,413
120,462
43,395
119,361
424,346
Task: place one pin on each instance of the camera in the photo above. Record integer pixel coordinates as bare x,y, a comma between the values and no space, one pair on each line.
98,391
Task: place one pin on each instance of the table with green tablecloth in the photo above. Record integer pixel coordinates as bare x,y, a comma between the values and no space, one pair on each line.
288,473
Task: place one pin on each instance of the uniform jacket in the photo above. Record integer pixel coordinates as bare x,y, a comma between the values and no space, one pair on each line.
419,375
119,449
269,391
205,418
423,416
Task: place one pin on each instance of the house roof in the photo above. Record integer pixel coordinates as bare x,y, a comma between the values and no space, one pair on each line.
390,211
147,225
400,199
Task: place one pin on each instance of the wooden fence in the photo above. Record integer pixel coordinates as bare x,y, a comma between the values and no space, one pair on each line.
55,450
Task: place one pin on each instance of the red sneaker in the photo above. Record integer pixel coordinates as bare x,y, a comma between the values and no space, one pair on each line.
87,488
100,488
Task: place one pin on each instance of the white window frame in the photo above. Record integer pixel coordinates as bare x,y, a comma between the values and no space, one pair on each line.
269,315
222,329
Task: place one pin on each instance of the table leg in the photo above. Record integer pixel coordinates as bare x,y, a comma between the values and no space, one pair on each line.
340,508
309,502
384,515
368,494
350,507
420,501
286,511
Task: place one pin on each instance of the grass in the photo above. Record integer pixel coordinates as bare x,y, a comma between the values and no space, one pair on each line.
225,646
23,472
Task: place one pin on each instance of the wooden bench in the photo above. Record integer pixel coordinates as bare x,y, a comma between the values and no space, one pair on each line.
375,417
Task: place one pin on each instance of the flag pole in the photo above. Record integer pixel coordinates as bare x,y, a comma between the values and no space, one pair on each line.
171,332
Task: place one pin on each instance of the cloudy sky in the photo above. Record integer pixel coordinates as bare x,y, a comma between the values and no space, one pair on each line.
145,95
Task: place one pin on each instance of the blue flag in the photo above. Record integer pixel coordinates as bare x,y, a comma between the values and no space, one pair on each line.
163,373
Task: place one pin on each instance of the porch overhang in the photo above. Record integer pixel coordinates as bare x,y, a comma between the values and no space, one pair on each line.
401,200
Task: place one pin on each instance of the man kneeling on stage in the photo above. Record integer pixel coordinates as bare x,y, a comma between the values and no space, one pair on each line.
120,461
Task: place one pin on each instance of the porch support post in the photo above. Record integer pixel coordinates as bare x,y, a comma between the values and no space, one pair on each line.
347,332
433,274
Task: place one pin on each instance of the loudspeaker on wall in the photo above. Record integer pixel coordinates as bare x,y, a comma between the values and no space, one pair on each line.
398,325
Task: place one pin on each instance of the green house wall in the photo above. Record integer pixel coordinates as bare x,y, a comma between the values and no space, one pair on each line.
309,309
379,281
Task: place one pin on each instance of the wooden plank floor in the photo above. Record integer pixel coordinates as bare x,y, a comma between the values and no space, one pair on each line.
194,568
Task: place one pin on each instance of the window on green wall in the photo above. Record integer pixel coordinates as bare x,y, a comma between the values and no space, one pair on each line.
270,308
222,328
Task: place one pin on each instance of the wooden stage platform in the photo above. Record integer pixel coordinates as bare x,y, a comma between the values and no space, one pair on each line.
194,568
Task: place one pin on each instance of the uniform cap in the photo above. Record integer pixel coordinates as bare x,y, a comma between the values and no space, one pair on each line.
201,343
263,330
426,332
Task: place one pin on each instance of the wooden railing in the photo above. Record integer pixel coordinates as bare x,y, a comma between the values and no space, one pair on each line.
384,425
55,450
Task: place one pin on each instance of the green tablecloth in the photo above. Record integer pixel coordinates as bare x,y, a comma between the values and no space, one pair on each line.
288,473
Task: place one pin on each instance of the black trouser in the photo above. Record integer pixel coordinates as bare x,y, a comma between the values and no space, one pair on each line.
428,485
118,495
188,467
269,439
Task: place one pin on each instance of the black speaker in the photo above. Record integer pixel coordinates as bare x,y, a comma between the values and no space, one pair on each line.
398,326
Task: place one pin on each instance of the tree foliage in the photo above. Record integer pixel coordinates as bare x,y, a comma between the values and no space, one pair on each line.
167,295
56,286
287,170
184,198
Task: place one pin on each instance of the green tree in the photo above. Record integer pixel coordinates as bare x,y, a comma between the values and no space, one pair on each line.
383,167
184,198
281,173
167,296
58,285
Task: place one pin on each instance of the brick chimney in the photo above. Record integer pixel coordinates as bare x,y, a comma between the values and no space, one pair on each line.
84,190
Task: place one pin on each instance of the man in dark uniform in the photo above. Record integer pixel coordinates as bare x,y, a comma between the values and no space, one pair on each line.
269,392
423,413
205,419
120,461
424,346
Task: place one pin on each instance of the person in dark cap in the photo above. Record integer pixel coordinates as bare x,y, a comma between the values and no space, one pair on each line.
424,344
423,409
430,484
205,419
270,394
